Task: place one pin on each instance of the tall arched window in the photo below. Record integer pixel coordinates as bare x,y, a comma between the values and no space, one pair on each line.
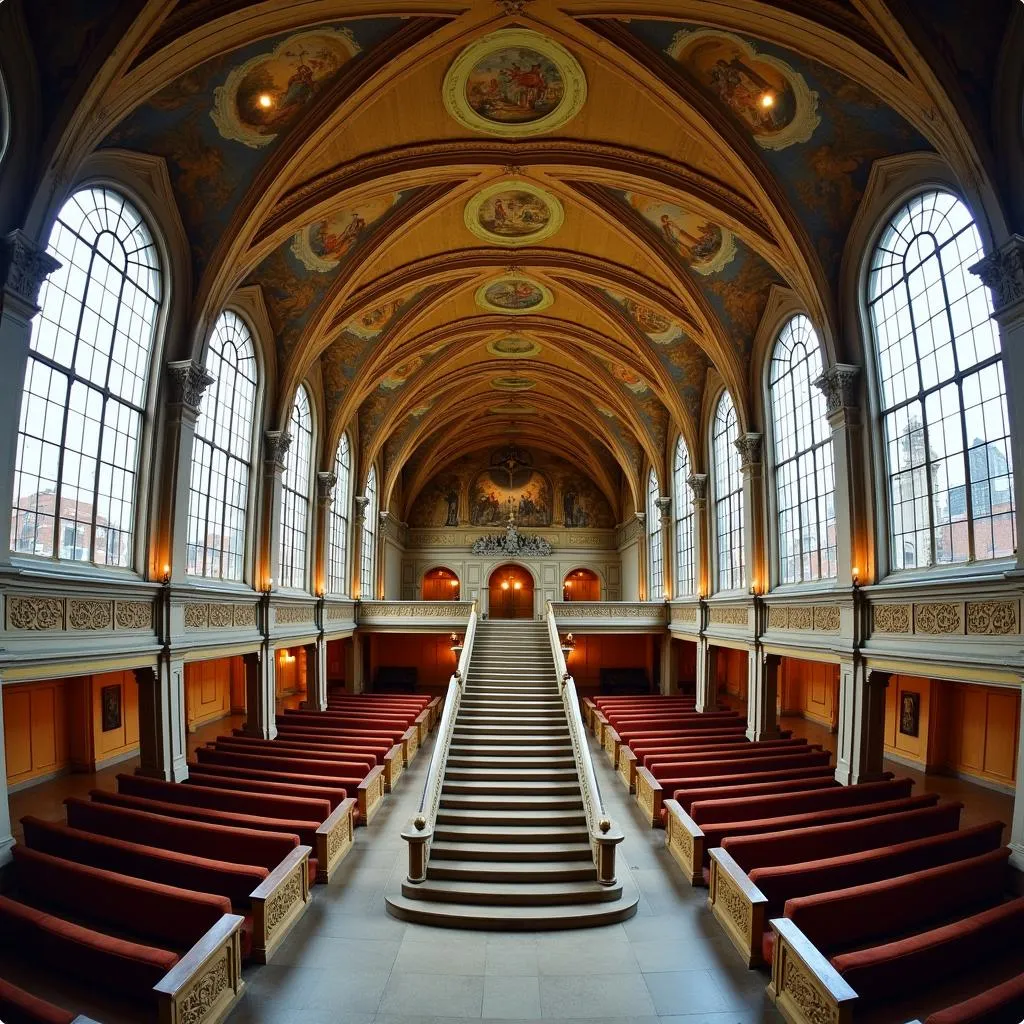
941,389
682,500
728,496
295,494
222,453
337,582
86,383
368,547
804,465
656,580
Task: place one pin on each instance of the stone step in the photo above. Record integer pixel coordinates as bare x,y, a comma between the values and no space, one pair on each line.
538,787
489,762
522,894
522,871
536,852
499,835
526,801
503,750
512,817
529,739
516,773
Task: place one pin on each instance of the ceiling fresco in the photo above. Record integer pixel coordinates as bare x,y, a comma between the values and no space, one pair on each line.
507,218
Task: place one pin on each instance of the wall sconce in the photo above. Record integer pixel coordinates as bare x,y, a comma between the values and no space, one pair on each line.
453,583
518,585
504,584
457,642
268,586
568,644
855,574
166,578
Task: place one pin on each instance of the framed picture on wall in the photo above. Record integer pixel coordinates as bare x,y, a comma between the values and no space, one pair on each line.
110,702
910,713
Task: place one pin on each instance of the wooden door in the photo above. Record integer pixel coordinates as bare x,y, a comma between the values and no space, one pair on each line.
510,593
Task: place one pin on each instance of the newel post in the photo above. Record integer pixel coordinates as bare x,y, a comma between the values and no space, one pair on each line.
418,835
606,839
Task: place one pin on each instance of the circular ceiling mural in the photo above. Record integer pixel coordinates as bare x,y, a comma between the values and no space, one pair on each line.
514,83
513,347
514,408
514,294
514,213
512,383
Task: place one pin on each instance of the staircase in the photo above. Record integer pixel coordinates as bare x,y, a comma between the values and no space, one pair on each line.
511,848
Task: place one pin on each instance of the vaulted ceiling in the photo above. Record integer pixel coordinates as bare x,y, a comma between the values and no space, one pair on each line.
553,221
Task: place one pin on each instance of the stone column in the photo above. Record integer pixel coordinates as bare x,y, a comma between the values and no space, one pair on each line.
839,385
642,576
187,380
1017,835
354,668
698,484
707,666
749,446
1002,272
669,668
325,484
6,838
163,748
359,506
762,695
316,675
260,693
26,267
275,450
860,744
667,548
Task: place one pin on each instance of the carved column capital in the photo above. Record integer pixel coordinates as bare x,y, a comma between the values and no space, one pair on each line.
749,447
359,504
325,483
1003,273
188,380
839,386
698,484
664,505
26,267
275,447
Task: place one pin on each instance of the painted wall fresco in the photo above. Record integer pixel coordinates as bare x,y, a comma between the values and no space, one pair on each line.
731,276
482,487
822,168
213,129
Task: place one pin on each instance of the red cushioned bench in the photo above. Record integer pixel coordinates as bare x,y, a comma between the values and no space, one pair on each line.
867,943
688,796
666,764
168,927
763,891
357,762
20,1007
332,794
1001,1004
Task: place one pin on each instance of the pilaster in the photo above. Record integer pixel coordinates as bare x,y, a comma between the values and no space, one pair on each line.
316,675
186,382
698,484
275,451
1017,835
325,484
6,838
860,744
26,267
669,668
260,693
707,668
163,748
762,695
839,385
664,505
354,668
750,447
1002,272
360,503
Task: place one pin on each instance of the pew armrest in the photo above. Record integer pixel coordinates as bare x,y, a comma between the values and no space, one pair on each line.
369,794
394,765
627,767
278,902
422,723
334,838
206,983
684,839
649,796
611,744
741,908
806,988
434,709
410,744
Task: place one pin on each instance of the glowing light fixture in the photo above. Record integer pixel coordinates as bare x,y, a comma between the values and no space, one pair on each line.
767,100
265,100
504,584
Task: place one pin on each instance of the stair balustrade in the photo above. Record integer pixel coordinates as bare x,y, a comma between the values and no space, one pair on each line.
604,836
419,832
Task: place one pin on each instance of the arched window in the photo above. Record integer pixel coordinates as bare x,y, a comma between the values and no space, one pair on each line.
295,494
656,580
728,496
804,465
942,396
682,500
368,547
337,582
86,383
221,455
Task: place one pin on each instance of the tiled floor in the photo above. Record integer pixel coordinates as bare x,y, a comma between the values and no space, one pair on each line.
348,962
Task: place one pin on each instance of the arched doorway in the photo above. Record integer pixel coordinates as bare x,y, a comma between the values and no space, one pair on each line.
581,585
510,593
440,584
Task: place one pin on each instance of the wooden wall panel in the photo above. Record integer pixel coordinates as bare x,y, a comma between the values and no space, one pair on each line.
124,740
733,671
208,691
429,653
35,730
809,689
609,650
291,671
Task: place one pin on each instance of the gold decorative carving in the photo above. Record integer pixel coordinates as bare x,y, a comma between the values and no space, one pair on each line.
799,985
202,997
133,615
681,841
778,617
891,618
221,616
293,613
196,616
244,614
993,618
685,613
338,612
735,905
939,618
90,615
281,903
35,613
801,617
729,616
339,838
826,618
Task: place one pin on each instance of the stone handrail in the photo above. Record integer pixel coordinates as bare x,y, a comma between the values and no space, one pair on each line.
604,837
420,830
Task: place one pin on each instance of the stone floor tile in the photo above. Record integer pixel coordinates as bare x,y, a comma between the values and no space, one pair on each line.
511,998
594,996
439,957
685,992
433,995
